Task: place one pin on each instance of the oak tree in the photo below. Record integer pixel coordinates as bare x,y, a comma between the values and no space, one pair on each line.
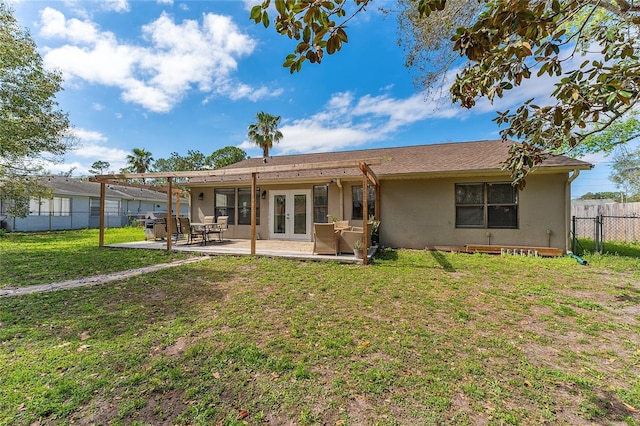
590,48
32,128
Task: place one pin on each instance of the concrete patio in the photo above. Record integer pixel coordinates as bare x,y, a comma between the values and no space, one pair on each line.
301,250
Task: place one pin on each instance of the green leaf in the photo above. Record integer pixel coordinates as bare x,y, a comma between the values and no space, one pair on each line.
256,13
265,19
342,35
280,7
306,34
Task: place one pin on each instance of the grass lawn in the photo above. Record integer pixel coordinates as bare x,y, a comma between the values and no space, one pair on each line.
43,257
417,338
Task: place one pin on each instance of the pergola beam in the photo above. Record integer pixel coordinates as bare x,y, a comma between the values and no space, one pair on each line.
243,170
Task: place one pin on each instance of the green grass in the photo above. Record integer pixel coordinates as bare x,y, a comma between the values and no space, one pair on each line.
36,258
416,338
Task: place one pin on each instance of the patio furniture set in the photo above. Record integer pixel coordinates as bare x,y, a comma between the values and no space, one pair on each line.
337,237
203,231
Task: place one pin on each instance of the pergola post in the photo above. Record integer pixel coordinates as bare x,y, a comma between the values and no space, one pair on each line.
178,192
365,218
102,204
254,200
368,176
169,210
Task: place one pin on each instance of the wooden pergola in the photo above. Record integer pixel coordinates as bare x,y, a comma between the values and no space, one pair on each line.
368,176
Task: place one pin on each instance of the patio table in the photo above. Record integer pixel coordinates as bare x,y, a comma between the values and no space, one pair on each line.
206,229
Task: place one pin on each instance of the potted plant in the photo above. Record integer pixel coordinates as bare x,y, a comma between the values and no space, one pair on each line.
375,230
357,249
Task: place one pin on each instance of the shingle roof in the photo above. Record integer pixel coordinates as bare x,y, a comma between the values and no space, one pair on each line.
62,185
447,158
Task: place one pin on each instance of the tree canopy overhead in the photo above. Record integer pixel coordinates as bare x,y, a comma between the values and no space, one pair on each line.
589,47
32,128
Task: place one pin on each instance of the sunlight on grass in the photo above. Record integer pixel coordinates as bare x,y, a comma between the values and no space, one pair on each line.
415,338
42,257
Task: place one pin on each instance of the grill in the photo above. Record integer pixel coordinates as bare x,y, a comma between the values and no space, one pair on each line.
155,226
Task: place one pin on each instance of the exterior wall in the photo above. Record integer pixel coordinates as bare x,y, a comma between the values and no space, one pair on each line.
80,217
416,213
420,213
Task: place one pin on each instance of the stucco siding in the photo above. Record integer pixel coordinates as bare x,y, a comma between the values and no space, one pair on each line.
421,212
416,213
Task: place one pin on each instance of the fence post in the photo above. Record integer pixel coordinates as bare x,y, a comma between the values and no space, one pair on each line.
601,233
596,233
573,232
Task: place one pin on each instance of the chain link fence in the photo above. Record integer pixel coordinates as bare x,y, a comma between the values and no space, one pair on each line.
603,228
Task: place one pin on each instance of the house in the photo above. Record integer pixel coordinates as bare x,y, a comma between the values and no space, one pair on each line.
76,204
450,194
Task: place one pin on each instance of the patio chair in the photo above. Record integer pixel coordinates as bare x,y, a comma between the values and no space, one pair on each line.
222,225
342,224
187,230
348,238
175,227
325,239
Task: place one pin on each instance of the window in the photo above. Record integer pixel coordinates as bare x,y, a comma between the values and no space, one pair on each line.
61,206
320,203
34,207
56,206
486,205
225,204
356,199
111,207
244,206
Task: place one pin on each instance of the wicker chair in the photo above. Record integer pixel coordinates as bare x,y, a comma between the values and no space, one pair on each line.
348,238
325,239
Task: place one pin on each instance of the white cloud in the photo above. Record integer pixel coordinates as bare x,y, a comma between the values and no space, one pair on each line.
89,135
55,25
91,147
169,2
248,4
116,5
349,122
178,58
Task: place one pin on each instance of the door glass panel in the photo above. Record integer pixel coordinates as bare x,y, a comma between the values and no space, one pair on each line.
279,214
300,214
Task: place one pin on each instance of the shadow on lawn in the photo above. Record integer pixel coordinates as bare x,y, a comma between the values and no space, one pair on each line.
442,260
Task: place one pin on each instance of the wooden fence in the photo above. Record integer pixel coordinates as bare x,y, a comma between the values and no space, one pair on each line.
607,222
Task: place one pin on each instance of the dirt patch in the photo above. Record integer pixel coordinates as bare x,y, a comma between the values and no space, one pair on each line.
177,348
99,412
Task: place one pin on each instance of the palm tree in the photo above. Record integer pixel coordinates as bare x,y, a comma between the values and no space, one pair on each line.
140,161
265,132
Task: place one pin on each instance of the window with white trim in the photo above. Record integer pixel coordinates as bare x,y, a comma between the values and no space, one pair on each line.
111,207
225,204
244,206
320,203
56,206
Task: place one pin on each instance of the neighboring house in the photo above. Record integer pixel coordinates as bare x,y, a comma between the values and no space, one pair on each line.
449,194
76,204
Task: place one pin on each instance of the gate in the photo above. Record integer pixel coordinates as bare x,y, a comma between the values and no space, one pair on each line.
604,228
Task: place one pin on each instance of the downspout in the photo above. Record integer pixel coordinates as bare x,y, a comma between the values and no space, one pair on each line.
567,215
339,183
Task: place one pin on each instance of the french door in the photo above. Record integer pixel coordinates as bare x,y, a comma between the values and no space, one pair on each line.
290,217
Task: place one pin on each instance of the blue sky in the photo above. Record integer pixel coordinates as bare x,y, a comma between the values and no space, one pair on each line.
169,76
